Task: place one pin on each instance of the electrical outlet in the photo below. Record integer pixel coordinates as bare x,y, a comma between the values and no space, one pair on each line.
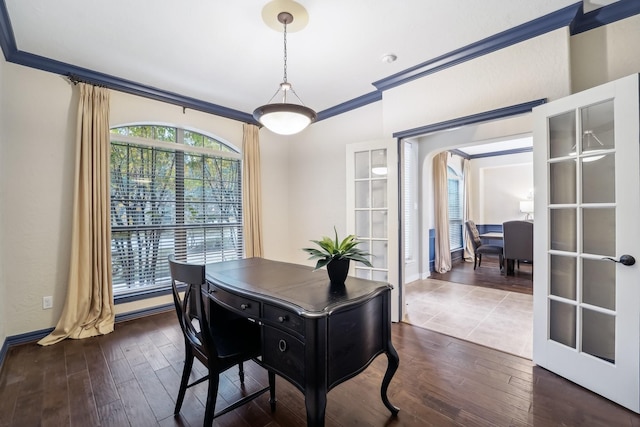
47,302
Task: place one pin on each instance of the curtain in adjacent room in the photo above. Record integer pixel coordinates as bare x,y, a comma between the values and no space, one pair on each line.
89,309
466,214
251,191
441,208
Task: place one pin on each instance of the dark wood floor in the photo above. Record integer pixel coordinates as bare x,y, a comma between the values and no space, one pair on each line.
130,378
488,275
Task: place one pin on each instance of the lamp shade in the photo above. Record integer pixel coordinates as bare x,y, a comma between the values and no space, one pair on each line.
284,118
526,206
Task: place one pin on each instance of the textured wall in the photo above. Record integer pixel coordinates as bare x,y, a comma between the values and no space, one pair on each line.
3,184
533,69
605,54
38,160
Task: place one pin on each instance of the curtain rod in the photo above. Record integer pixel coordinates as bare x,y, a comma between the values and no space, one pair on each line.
75,79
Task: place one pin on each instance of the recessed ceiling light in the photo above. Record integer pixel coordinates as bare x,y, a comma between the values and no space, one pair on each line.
389,58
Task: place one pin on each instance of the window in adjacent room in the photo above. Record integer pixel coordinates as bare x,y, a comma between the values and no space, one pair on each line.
455,187
173,191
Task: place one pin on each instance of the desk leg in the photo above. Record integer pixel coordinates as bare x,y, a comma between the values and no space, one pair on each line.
316,403
392,367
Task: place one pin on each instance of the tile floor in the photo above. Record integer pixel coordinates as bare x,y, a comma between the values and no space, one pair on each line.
498,319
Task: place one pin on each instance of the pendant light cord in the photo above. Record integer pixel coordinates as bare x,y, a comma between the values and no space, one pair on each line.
285,52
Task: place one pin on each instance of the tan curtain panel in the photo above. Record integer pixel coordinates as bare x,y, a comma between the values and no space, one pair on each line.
466,214
441,208
251,192
88,309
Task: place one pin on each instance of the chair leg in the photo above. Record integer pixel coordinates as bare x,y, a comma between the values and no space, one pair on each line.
479,260
212,395
272,390
241,372
475,260
186,372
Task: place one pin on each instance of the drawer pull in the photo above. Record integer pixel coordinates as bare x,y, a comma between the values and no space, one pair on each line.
244,306
283,319
282,346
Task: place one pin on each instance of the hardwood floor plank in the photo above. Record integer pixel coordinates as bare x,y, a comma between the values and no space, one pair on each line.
104,388
113,414
55,404
153,356
136,406
120,371
159,400
488,275
8,397
441,381
82,410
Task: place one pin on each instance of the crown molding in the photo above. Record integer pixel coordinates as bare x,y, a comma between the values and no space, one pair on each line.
500,113
605,15
352,104
539,26
571,16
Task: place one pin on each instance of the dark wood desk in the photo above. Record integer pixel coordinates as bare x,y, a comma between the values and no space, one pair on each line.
313,334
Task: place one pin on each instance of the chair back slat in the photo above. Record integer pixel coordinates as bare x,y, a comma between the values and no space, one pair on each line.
190,307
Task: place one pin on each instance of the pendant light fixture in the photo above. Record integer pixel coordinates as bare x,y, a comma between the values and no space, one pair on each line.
283,117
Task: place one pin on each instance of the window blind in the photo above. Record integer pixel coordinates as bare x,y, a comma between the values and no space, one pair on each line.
171,200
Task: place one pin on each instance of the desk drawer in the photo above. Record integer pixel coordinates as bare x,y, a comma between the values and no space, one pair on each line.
286,318
284,353
246,306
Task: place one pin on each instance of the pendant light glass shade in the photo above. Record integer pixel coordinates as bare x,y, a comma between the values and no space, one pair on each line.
283,117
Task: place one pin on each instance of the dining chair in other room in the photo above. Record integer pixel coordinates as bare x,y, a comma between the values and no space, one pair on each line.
215,336
518,243
478,248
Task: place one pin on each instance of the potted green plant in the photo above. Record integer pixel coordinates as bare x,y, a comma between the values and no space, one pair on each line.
336,254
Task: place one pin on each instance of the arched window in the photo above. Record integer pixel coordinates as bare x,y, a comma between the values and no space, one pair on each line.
173,191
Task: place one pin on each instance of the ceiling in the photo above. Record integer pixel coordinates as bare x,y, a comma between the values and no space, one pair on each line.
222,52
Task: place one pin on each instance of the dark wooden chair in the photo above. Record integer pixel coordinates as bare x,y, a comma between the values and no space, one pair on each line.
217,337
478,248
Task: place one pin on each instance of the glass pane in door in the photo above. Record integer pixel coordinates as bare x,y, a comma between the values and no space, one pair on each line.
562,135
562,323
597,224
598,283
362,168
598,183
562,224
563,276
599,334
563,176
597,127
362,194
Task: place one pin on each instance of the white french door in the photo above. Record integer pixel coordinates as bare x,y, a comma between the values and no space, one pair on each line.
587,201
372,211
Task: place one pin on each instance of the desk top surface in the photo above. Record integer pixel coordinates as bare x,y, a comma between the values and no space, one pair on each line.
297,287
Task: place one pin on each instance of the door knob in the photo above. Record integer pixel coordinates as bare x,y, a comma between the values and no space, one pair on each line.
624,259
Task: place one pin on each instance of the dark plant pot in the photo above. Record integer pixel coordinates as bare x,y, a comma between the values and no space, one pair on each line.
338,270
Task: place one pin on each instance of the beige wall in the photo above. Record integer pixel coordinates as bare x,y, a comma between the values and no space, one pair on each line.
316,177
533,69
3,143
500,183
37,167
304,192
605,54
